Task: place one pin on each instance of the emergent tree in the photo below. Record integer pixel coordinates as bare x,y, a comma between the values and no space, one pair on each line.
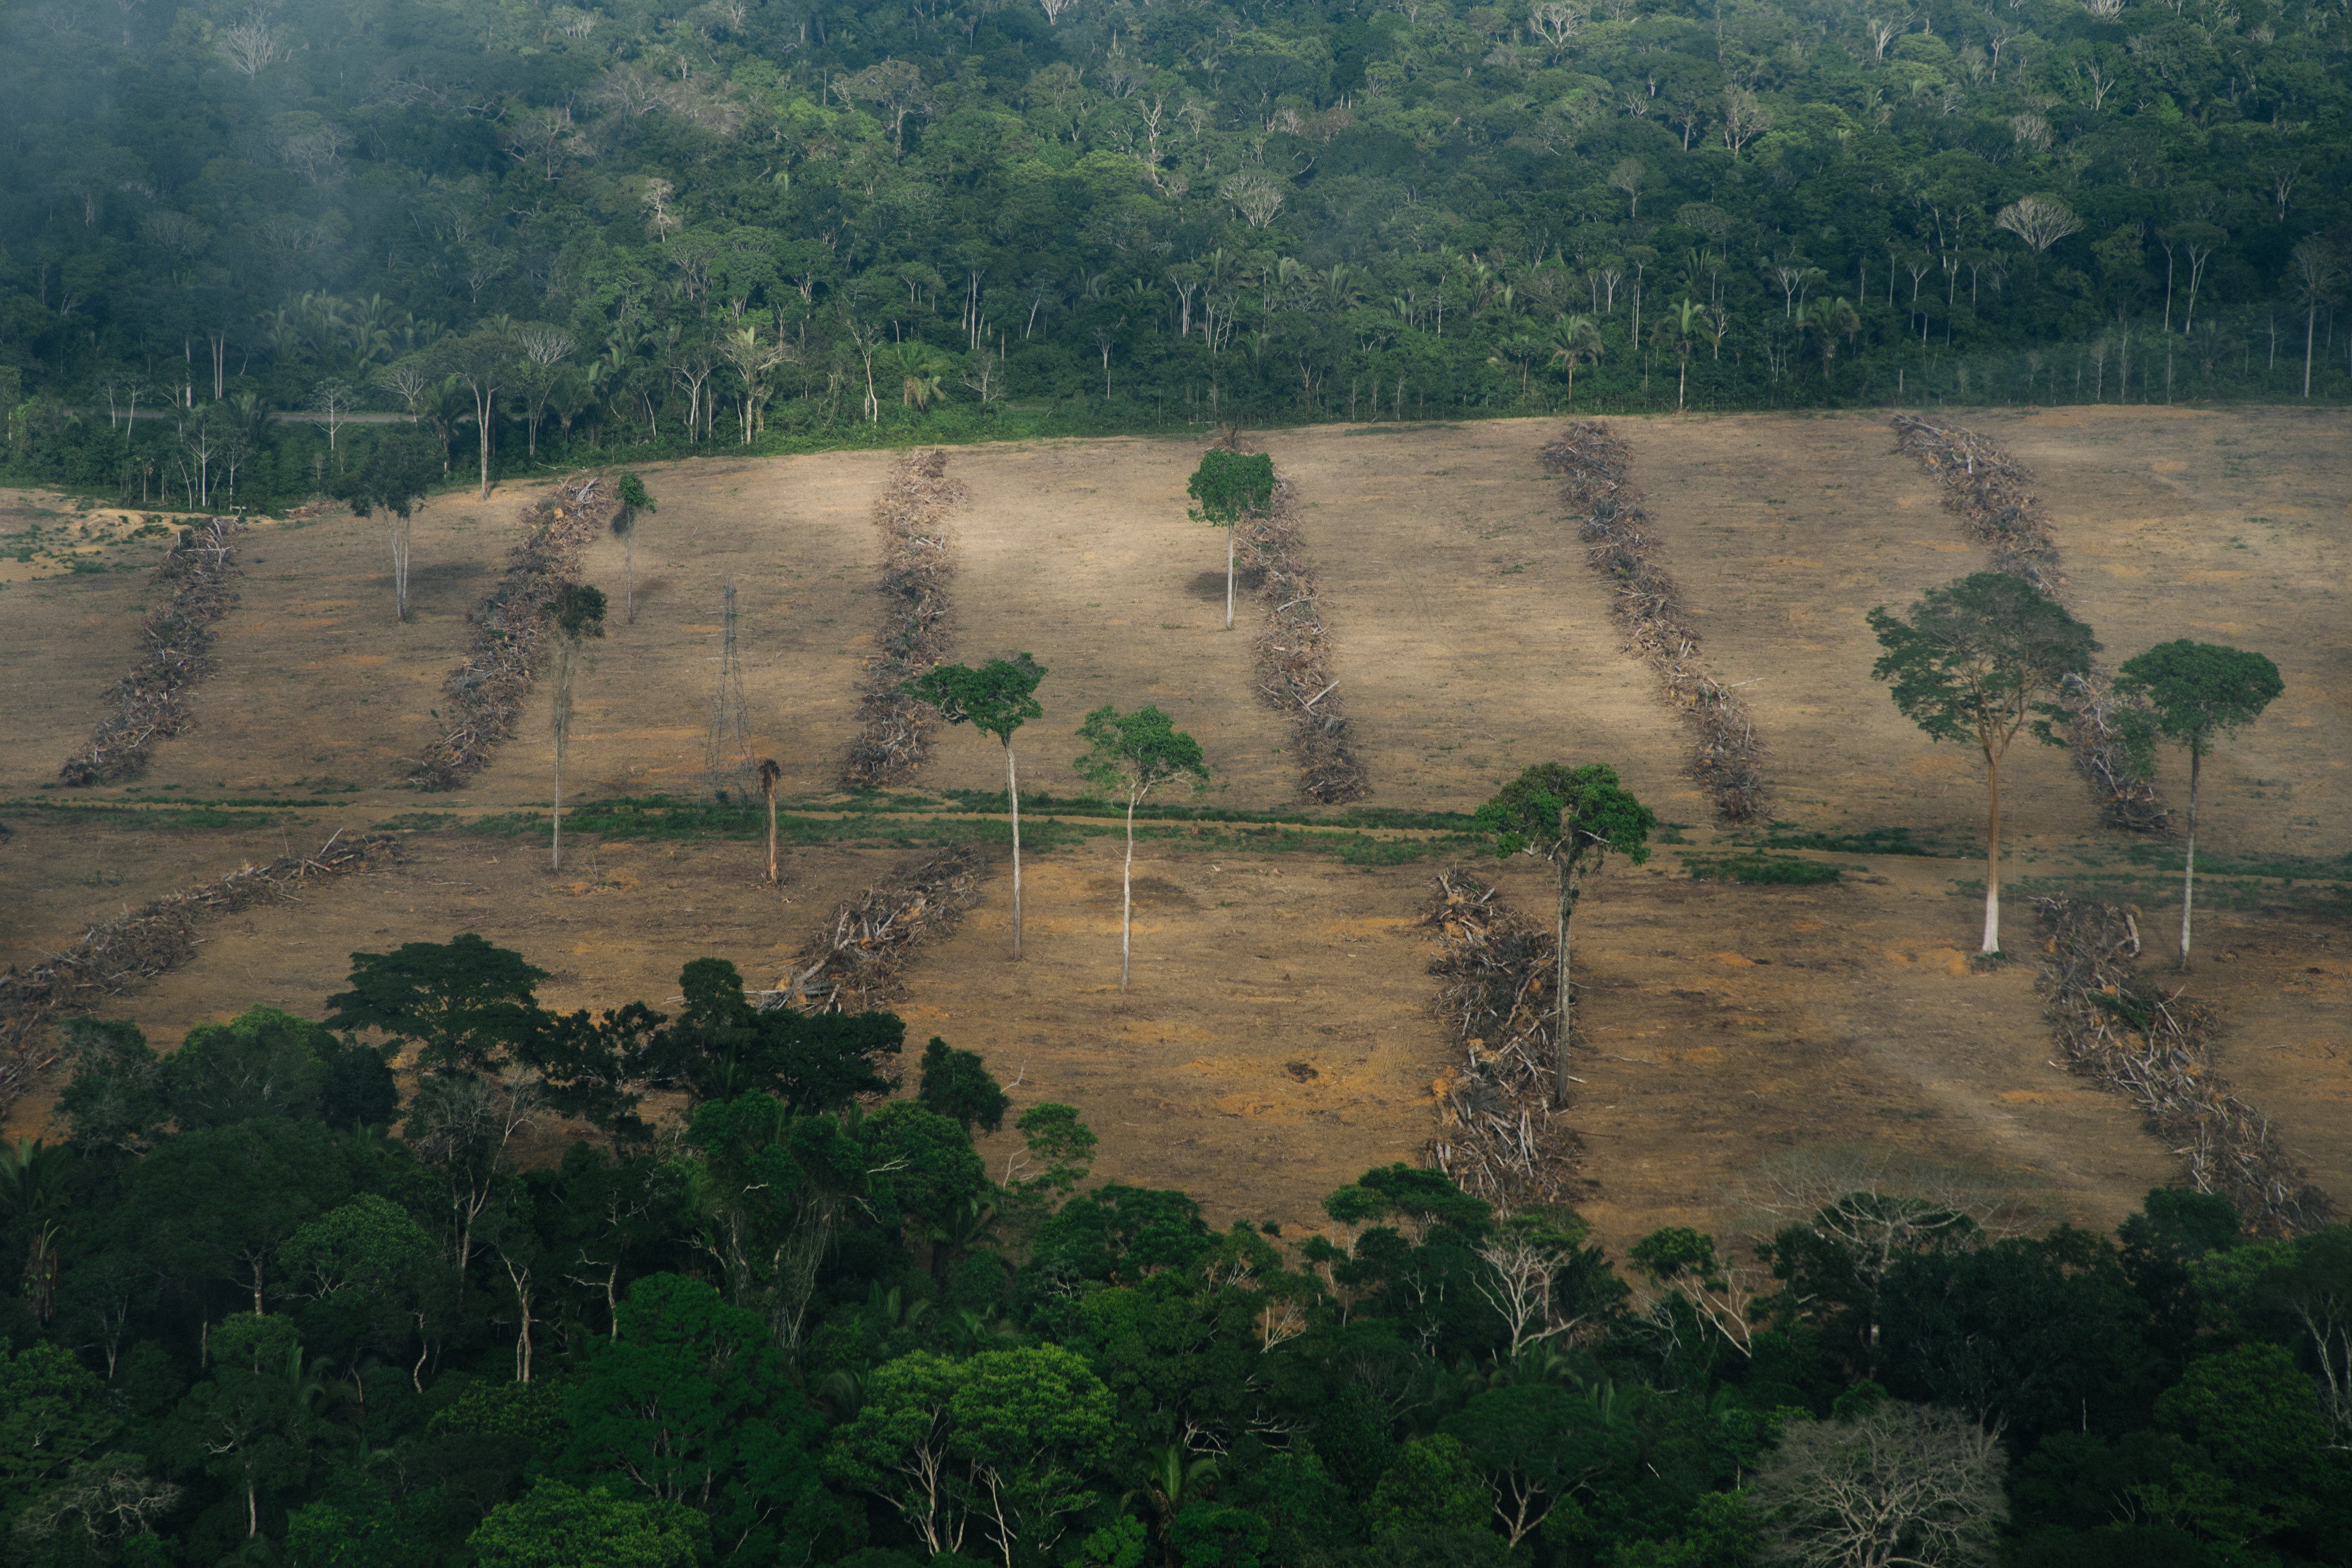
1975,661
2198,691
1572,817
1225,488
995,699
1132,753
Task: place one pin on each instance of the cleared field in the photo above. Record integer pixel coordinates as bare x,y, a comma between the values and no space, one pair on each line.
1276,1041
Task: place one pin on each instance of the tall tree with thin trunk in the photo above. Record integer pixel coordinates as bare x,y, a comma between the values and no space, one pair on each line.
579,615
2313,271
482,360
1574,818
1131,755
1976,660
1225,488
634,498
2197,691
995,699
769,775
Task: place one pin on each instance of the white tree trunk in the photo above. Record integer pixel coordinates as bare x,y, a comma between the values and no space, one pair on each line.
1127,894
1013,794
2188,865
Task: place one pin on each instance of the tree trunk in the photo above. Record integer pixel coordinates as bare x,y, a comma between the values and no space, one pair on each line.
1231,530
2189,863
555,860
1012,795
486,404
1992,859
629,574
2310,325
1127,894
772,878
1567,1016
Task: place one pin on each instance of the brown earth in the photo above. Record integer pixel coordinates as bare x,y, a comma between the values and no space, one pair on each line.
1276,1040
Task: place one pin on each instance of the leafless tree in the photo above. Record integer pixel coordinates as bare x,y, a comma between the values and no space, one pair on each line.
1518,1285
1554,22
657,196
2284,179
754,363
1904,1485
985,371
1883,32
250,44
407,380
1257,197
545,140
462,1125
1745,118
1053,9
2040,221
541,349
692,366
331,402
112,1499
769,775
316,153
400,568
1627,176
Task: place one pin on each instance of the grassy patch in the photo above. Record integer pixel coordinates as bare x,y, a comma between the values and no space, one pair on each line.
415,822
142,817
992,800
1761,870
1869,841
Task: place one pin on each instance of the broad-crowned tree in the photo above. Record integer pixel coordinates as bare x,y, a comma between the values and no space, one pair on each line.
555,1525
1898,1484
2196,692
1978,660
1133,754
1227,488
1574,818
465,1004
996,699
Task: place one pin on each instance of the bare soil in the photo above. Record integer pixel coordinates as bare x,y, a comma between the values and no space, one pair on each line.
1275,1039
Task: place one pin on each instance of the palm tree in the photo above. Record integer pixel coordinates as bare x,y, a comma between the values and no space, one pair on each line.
1575,340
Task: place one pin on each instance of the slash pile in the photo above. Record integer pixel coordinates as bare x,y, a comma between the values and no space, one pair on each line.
2157,1047
122,955
151,701
1986,489
853,965
894,729
1293,655
1595,464
1497,1135
484,696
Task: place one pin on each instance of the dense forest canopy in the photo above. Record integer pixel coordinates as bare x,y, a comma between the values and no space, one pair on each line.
658,224
270,1303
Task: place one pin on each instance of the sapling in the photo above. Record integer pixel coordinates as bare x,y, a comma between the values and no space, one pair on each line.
1133,754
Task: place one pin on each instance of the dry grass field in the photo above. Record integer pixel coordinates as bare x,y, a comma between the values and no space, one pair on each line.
1277,1039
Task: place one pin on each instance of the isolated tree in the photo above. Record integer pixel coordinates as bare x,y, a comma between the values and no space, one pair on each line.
1572,817
394,479
578,613
2313,271
481,361
769,775
1575,340
634,499
1133,754
995,699
1975,661
1226,487
2198,691
1899,1485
